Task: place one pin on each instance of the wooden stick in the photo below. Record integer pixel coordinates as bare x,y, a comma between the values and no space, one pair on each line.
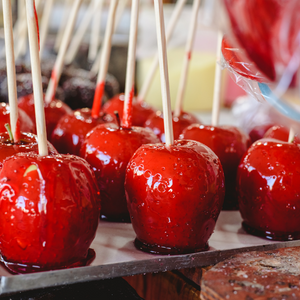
62,25
10,66
170,29
187,59
105,56
36,77
80,32
95,66
95,32
45,24
291,135
164,76
217,86
59,63
130,71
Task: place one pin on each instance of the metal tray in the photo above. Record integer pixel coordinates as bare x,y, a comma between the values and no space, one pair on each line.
116,256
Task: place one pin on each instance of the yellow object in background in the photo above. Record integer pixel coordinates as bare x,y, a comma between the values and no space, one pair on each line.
200,81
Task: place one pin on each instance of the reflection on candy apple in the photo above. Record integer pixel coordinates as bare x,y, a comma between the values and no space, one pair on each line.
53,111
140,111
229,143
156,124
28,143
174,196
71,130
269,190
26,125
49,212
108,148
281,133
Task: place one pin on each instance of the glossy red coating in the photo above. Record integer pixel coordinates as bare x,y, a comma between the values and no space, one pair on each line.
49,211
174,196
156,123
70,131
140,111
28,143
229,143
281,133
26,125
258,131
269,190
53,111
108,148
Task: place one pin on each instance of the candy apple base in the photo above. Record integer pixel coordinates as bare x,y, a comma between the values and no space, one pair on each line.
277,236
157,249
17,268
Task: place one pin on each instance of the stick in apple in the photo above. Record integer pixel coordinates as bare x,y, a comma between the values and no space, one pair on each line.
59,63
164,77
10,66
150,75
80,32
95,33
187,59
217,84
105,56
36,77
45,24
130,71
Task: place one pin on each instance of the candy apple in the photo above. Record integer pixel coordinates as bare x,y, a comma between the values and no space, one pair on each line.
108,148
140,110
49,212
156,123
174,196
26,125
229,143
281,133
269,191
258,131
53,111
28,143
70,131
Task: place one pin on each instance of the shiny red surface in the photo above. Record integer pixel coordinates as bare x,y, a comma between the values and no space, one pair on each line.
229,143
269,191
53,111
258,131
26,125
140,111
48,214
28,143
174,196
156,124
281,133
108,149
70,131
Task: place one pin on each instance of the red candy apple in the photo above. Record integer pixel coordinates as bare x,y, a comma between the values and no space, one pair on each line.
140,110
281,133
26,125
269,191
229,144
53,111
108,148
28,143
71,130
156,124
174,196
49,212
